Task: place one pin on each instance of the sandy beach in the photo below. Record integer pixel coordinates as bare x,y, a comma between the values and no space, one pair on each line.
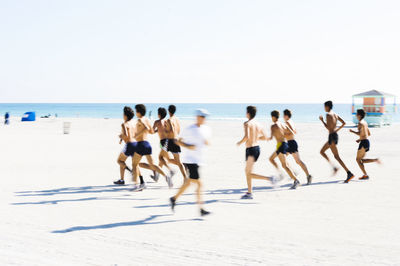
59,207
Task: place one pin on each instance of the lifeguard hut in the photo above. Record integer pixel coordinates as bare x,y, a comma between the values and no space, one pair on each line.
378,106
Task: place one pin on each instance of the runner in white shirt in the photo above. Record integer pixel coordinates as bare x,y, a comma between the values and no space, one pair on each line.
194,139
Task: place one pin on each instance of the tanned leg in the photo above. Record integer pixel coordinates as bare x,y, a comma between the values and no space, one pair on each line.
177,161
359,159
272,160
285,166
182,189
337,157
135,166
153,166
122,165
303,166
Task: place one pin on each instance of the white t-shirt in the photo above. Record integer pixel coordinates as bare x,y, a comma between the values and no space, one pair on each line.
195,135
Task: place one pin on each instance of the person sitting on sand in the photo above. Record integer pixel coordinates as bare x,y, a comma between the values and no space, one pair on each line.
194,138
143,148
292,143
364,145
252,133
333,138
278,131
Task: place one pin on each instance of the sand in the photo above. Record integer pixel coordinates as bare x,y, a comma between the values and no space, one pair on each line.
58,205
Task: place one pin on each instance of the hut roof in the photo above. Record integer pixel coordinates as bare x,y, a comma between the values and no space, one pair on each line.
374,93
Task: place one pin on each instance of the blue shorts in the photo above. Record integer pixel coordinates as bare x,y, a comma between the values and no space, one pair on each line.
143,148
129,148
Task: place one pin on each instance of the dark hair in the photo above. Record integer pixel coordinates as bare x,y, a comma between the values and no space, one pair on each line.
329,104
361,113
275,114
128,112
140,108
172,109
287,112
252,111
162,112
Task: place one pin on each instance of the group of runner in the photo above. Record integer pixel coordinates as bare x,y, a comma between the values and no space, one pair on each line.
195,137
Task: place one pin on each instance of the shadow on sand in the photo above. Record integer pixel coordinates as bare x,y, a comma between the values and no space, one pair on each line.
146,221
44,202
79,190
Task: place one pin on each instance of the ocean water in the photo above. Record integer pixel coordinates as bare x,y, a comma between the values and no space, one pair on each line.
301,112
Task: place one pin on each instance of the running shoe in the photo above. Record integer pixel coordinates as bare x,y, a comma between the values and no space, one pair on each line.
364,177
142,186
204,212
247,196
295,184
350,176
119,182
309,180
169,181
155,176
172,202
136,188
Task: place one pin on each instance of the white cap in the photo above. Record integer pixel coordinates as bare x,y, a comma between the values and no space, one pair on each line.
202,112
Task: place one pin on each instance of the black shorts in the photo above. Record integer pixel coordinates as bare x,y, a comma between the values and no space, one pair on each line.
292,146
130,148
253,152
193,170
163,144
283,148
333,138
143,148
172,146
364,144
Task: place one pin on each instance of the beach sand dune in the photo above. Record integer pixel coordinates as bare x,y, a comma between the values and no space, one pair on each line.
58,205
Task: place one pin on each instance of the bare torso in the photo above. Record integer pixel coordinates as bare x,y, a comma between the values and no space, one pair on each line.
129,131
173,128
363,129
254,132
278,132
143,127
159,126
289,135
331,121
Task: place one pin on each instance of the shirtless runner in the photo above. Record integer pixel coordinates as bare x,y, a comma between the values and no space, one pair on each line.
128,136
278,131
172,130
333,138
159,127
252,134
292,144
364,145
143,128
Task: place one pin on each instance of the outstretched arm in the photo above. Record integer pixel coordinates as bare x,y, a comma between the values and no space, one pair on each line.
183,144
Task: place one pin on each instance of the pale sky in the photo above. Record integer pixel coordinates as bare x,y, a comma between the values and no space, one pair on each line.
197,51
